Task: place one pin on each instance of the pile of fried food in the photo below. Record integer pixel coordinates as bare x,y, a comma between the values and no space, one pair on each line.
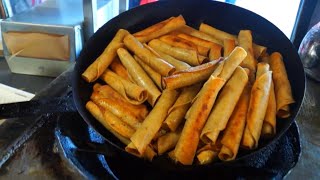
197,95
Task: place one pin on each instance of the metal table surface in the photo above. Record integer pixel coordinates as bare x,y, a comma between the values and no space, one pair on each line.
308,120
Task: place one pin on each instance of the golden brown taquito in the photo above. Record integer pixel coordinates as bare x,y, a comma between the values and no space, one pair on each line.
228,46
186,55
282,87
149,153
156,31
184,43
193,32
258,50
232,62
118,110
189,76
168,141
257,110
139,75
118,125
270,119
207,156
97,113
214,48
94,71
151,125
156,77
119,69
177,112
179,65
152,28
156,63
216,33
220,115
196,117
140,111
129,90
233,133
245,41
198,41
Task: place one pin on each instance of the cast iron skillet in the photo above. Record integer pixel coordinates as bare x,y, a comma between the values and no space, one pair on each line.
222,16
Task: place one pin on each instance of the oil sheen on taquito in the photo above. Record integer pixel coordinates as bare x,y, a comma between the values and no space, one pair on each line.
189,76
194,32
94,71
140,111
155,76
151,125
233,133
156,63
160,29
129,90
196,117
184,43
186,55
177,112
139,75
282,87
224,106
179,65
257,109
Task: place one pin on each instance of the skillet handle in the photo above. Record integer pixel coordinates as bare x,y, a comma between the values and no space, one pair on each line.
37,107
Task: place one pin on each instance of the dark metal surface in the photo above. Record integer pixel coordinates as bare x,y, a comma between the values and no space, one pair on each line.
221,15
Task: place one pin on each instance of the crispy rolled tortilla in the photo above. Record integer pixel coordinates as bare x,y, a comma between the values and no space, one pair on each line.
282,87
216,33
196,117
231,63
149,153
245,41
215,49
270,119
179,65
118,125
186,55
160,29
94,71
151,125
156,77
168,141
177,112
130,91
206,156
258,50
156,63
176,41
119,69
97,113
233,133
139,75
257,110
220,115
118,110
228,46
140,111
189,76
193,32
